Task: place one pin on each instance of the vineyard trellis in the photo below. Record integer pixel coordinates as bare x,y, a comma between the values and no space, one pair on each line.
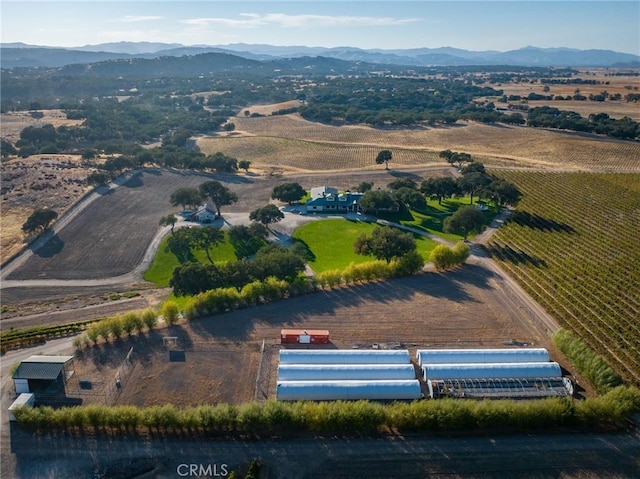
573,245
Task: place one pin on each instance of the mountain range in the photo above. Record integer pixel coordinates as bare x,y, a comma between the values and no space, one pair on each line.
23,55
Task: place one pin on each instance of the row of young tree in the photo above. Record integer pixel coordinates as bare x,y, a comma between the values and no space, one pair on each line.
273,418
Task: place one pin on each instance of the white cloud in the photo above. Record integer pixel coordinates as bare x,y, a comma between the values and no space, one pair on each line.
140,18
253,20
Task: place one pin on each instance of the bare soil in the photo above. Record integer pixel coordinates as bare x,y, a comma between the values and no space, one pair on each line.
464,308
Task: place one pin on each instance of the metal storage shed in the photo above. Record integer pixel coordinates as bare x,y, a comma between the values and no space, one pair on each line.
322,372
344,356
43,374
304,336
347,390
492,371
453,356
24,399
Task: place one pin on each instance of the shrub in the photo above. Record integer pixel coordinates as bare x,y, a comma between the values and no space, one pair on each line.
149,318
170,312
586,361
445,257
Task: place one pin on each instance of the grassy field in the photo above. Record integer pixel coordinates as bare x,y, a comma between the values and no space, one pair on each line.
288,141
331,243
165,261
573,244
431,219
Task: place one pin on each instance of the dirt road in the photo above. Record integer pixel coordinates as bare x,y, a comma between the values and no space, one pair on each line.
529,456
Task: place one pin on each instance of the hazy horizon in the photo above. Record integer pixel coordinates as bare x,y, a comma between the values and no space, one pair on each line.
479,25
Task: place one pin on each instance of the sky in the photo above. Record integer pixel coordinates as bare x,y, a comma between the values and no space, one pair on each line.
382,24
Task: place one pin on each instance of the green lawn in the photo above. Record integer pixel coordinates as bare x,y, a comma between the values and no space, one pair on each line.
165,261
431,218
331,242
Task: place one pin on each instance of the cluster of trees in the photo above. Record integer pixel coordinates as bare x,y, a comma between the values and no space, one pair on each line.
400,102
269,261
600,123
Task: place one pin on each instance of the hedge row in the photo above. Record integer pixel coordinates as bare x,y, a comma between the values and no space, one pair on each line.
586,361
17,338
275,417
445,257
258,292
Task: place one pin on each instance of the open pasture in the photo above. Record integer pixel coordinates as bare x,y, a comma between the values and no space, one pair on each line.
496,145
573,245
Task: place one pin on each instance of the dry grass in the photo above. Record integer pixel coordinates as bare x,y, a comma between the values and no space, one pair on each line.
293,142
14,122
52,181
270,108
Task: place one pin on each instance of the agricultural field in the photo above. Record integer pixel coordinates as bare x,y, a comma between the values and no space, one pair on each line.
223,351
306,145
572,243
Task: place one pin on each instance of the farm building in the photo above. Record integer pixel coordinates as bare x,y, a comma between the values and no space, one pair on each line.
324,372
24,399
344,356
348,390
304,336
43,374
456,356
492,371
500,388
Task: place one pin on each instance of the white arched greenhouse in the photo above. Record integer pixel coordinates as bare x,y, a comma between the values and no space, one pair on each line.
492,371
348,390
322,372
344,356
453,356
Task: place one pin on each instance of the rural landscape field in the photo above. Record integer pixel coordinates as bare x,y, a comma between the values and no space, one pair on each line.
149,230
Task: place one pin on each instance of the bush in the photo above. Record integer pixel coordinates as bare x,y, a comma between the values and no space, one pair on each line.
445,257
149,318
586,361
170,312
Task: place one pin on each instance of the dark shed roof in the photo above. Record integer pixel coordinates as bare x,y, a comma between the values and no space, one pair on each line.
41,367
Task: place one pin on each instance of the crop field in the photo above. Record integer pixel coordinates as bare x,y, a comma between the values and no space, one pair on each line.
496,145
573,245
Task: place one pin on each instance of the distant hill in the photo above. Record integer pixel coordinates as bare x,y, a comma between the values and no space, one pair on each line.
22,55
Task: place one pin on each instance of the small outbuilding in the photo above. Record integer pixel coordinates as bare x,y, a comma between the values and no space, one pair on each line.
24,399
43,374
304,336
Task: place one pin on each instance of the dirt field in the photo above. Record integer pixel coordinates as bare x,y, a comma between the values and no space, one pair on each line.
470,307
